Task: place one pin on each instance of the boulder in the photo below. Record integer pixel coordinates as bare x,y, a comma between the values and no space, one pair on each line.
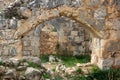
35,60
32,73
10,74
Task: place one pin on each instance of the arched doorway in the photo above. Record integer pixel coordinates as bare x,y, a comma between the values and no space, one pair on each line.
71,13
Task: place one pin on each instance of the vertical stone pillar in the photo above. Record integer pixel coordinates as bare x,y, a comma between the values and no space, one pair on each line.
19,48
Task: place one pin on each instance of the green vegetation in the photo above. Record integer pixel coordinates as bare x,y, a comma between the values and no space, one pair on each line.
32,64
72,60
58,77
97,74
1,63
54,30
68,60
79,70
47,76
44,58
53,69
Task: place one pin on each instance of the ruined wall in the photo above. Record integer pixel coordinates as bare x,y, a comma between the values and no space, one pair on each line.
99,17
75,40
48,40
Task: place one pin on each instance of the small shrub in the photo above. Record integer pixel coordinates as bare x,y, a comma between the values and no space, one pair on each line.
95,69
1,63
53,69
54,30
32,64
44,58
111,74
79,70
58,77
46,76
68,60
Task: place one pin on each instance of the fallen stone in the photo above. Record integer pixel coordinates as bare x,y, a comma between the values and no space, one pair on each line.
35,60
21,68
32,73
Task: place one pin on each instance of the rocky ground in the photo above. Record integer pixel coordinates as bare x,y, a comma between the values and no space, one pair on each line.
59,71
31,68
28,68
54,68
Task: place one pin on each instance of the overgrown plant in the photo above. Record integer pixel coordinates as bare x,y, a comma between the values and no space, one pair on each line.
1,63
79,70
110,74
32,64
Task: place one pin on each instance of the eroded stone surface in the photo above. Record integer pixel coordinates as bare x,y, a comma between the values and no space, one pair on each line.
99,17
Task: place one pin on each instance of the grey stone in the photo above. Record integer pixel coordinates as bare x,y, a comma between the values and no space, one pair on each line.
2,70
51,58
74,33
32,73
94,2
26,43
10,74
37,31
106,63
21,68
100,24
26,64
26,53
15,62
100,13
77,39
117,62
13,23
13,51
35,60
81,49
114,46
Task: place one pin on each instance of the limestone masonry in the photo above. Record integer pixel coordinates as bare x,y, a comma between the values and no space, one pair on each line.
81,26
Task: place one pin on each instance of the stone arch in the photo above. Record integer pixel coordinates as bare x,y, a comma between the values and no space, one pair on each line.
110,12
72,13
69,12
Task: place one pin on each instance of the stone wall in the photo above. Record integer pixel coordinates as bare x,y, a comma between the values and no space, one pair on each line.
75,40
99,17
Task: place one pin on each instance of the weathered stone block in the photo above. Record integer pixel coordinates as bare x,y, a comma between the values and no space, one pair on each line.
26,53
13,51
93,2
100,13
13,23
26,43
94,59
9,34
105,63
100,24
81,49
77,39
70,38
117,61
74,33
114,46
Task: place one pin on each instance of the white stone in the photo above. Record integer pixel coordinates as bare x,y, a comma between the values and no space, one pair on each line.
74,33
51,58
77,39
33,74
14,61
31,70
